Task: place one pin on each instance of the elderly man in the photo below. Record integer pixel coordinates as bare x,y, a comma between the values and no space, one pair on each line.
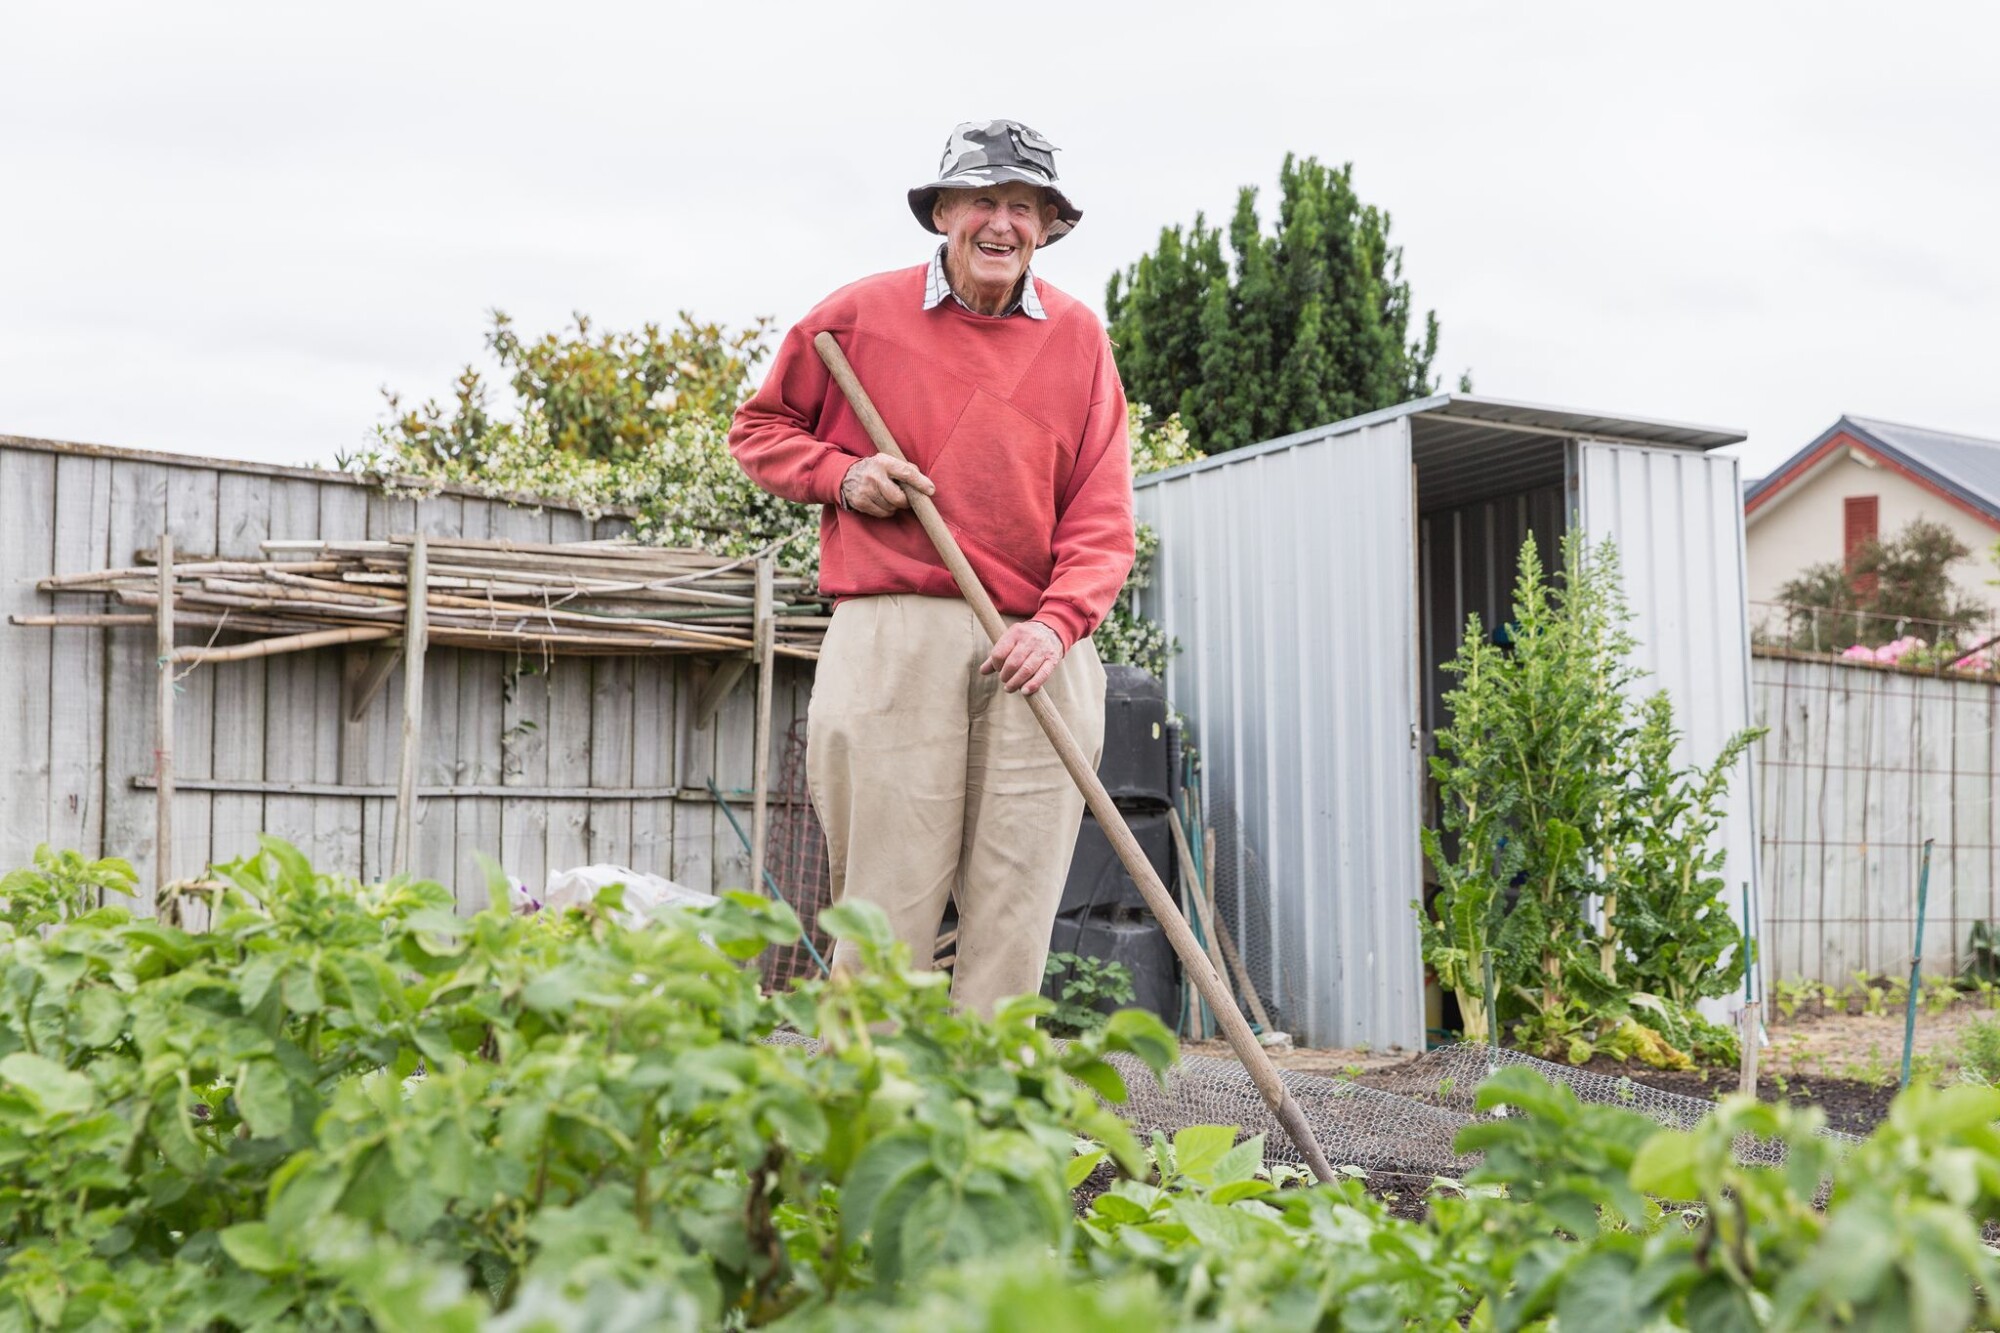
930,775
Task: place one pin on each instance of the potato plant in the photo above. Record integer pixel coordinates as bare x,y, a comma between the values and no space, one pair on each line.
345,1106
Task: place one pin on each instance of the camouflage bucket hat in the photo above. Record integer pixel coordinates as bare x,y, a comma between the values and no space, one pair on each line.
993,152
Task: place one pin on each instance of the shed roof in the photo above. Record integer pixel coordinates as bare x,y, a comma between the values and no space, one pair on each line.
1964,467
1455,421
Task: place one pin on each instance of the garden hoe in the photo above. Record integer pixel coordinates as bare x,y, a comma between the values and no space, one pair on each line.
1206,980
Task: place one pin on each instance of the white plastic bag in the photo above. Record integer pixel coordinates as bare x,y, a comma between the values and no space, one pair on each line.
643,892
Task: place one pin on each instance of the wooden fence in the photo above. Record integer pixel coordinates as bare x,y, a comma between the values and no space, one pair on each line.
1861,764
539,764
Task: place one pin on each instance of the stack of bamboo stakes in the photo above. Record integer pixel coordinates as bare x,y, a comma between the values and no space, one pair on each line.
602,597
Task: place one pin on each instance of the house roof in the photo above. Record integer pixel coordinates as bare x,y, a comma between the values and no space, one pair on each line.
1963,468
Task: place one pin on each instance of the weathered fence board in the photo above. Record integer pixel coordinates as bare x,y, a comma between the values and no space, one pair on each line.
77,704
27,485
1859,766
82,519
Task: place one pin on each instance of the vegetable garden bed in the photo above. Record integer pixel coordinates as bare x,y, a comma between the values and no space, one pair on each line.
342,1106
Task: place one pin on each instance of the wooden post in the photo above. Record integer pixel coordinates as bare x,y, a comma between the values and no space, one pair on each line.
1752,1029
163,736
763,632
416,634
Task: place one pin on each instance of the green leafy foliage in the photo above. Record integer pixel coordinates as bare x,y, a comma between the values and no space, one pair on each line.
1307,325
1594,1217
1087,990
1560,792
1979,1052
1675,940
344,1106
1982,953
62,884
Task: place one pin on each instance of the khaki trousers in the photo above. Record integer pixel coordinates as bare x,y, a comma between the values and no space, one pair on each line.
935,784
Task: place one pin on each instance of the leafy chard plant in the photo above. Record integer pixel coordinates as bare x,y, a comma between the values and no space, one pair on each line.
1575,858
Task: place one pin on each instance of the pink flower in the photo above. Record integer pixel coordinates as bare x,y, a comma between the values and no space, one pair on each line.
1899,649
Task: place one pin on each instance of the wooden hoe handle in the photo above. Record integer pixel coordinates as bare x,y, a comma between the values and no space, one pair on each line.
1234,1026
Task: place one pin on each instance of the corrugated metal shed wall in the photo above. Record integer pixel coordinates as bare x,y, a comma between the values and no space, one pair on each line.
1297,628
1677,517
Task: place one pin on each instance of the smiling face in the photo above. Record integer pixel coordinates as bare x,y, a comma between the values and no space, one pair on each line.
990,235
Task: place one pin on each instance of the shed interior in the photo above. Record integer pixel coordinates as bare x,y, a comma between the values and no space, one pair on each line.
1481,490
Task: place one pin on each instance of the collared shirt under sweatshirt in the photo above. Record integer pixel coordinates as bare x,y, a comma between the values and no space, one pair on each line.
1019,422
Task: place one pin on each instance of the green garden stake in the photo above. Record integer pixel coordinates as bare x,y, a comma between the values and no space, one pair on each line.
1748,961
1916,960
1492,1017
770,880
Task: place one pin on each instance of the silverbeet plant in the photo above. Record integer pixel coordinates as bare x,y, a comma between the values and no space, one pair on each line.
344,1106
1575,859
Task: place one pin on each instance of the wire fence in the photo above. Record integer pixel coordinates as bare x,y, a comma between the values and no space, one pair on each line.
1967,646
795,856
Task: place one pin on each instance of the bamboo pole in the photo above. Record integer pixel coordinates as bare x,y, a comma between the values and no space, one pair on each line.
762,633
163,735
65,582
1241,1040
81,620
508,599
1204,910
415,640
290,643
1197,1016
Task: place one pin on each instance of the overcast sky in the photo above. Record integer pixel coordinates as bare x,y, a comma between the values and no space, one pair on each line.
223,228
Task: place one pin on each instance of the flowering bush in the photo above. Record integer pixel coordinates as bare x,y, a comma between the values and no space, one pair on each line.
1893,651
1911,651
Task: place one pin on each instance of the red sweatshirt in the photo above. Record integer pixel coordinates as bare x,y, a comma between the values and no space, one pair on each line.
1019,422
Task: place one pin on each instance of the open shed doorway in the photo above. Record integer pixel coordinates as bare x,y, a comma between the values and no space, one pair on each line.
1480,494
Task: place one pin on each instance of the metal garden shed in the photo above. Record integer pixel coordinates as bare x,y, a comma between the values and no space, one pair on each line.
1316,584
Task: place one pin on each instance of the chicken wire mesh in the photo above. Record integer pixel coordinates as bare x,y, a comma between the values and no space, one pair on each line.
1401,1124
1403,1121
1275,960
795,856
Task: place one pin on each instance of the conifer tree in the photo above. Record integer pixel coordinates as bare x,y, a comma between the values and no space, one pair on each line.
1289,331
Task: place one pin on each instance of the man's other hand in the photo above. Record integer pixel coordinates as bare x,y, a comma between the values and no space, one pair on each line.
1025,657
873,486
